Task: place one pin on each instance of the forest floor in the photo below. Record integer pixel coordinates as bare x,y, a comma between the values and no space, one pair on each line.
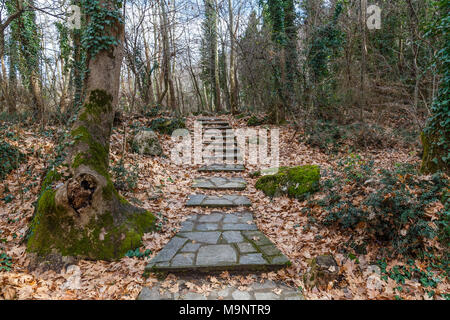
280,219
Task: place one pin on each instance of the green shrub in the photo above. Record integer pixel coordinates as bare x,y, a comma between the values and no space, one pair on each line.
356,169
394,213
167,126
153,112
125,179
10,158
327,136
255,121
330,137
138,254
5,262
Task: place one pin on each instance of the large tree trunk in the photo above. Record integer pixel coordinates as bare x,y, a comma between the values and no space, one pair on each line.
85,216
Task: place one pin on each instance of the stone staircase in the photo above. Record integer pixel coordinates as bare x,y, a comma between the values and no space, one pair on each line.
219,241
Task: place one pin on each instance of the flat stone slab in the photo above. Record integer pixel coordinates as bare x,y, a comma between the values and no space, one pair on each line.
219,183
225,144
259,290
224,150
201,200
218,159
210,119
218,127
218,242
215,123
216,167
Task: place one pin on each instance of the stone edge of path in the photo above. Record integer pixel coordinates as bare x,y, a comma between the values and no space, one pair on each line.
217,201
256,291
215,167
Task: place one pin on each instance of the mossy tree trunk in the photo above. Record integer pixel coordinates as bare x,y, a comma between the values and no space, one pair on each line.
84,216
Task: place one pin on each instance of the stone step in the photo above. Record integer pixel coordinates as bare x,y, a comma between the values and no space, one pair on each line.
210,119
226,201
224,132
220,138
219,183
258,290
225,144
214,159
217,167
224,150
221,151
218,128
215,123
218,242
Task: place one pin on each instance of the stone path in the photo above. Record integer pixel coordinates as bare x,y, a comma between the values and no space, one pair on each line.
265,290
220,241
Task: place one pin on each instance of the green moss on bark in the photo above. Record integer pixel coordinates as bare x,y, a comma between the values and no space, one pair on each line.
53,229
295,182
51,177
97,155
99,103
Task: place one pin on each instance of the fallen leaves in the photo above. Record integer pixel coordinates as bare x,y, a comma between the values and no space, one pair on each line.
282,220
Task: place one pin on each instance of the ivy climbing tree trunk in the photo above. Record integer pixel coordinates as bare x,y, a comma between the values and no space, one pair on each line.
291,51
436,135
84,216
276,14
27,32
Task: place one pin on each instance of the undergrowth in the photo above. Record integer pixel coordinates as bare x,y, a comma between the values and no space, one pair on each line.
10,158
390,205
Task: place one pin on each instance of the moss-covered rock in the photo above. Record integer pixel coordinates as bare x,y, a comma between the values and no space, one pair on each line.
167,126
295,182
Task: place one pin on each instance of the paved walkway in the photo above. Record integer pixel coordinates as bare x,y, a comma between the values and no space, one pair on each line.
220,241
217,242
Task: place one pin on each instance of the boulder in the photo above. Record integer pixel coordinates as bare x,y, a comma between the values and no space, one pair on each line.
146,142
294,182
321,271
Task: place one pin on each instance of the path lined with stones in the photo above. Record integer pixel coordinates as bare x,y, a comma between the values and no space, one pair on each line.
220,241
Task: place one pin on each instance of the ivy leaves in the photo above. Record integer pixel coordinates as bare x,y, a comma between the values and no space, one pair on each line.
5,262
95,37
439,122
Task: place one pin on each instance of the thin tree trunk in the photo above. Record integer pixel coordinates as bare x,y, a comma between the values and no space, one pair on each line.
363,9
168,80
233,87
